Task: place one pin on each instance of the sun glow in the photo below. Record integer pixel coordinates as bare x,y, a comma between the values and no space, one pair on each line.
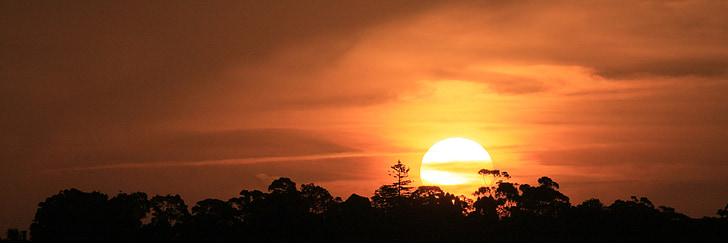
454,161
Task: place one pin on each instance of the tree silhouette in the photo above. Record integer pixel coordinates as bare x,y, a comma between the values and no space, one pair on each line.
126,211
249,205
282,185
70,216
591,208
431,213
168,214
168,210
355,219
437,201
357,205
214,211
386,197
543,200
494,199
506,195
390,196
485,173
284,198
636,208
76,216
400,172
14,235
670,214
486,208
591,205
489,190
317,199
504,212
723,213
212,217
282,213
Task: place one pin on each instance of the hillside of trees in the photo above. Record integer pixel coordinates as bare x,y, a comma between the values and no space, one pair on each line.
397,212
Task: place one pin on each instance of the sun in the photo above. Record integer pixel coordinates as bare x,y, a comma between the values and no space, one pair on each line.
455,162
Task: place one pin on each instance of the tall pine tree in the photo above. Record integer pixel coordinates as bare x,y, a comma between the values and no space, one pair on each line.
388,196
400,172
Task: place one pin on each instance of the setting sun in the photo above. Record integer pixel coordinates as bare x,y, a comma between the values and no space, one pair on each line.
454,162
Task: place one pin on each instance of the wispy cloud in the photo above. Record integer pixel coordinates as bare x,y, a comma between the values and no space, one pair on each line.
240,161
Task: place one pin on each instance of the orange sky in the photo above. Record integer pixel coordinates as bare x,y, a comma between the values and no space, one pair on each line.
608,98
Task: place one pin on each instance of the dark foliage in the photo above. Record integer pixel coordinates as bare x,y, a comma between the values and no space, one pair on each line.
76,216
15,235
723,213
503,212
390,197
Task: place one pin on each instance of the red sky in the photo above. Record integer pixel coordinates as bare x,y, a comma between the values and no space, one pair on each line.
608,98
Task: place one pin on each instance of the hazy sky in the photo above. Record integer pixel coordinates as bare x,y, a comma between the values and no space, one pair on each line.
608,98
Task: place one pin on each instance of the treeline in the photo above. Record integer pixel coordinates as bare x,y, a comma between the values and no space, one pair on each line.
501,212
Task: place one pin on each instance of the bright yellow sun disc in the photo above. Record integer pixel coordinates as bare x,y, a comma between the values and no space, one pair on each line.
454,161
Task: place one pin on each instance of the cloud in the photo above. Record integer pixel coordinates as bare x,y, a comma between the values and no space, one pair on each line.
338,101
240,161
265,178
170,148
86,70
641,157
642,42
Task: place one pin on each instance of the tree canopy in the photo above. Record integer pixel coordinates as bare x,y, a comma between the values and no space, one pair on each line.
502,212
